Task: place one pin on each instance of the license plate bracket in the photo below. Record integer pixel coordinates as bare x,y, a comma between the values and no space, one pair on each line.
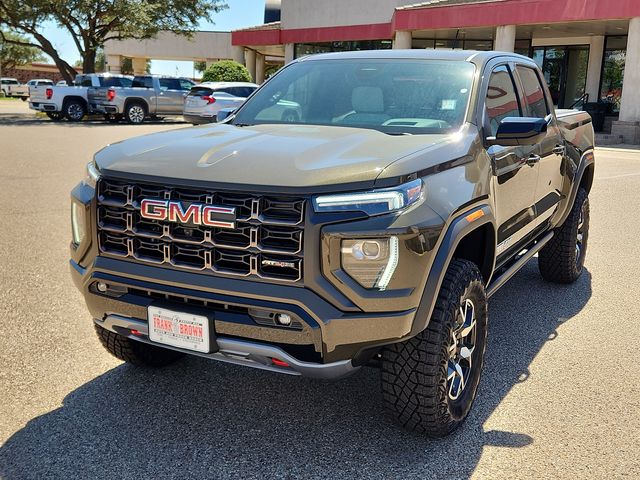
182,327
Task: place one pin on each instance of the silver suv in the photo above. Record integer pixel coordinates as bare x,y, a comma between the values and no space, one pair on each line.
205,100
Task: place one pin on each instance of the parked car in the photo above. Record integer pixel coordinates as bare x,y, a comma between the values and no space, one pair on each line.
11,87
373,230
148,96
205,100
70,102
39,81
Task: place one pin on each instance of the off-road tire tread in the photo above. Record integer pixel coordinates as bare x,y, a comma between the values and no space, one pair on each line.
414,386
557,259
134,352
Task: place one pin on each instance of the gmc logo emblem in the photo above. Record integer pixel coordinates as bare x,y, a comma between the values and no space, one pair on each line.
196,213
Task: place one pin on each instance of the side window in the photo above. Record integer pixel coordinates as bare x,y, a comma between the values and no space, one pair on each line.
169,84
142,82
533,92
185,84
501,101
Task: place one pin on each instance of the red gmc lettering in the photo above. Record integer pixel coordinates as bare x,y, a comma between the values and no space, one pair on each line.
176,214
195,213
154,209
209,210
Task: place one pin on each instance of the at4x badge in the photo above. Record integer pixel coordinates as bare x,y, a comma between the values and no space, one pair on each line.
194,214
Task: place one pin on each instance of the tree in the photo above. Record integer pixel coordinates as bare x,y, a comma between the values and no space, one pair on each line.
200,66
226,71
93,22
100,62
13,55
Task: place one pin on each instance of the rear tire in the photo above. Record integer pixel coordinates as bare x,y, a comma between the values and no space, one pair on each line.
135,352
429,382
135,113
74,110
562,259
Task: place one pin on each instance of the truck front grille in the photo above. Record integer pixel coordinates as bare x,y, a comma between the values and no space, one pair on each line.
266,242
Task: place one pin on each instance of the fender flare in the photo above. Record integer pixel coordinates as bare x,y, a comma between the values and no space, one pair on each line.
586,160
459,228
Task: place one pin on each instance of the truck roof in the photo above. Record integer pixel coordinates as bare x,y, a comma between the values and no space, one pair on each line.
475,56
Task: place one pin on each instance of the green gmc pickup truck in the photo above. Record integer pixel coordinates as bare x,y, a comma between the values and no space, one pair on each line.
371,228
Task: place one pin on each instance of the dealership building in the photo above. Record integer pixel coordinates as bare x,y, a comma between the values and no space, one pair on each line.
588,50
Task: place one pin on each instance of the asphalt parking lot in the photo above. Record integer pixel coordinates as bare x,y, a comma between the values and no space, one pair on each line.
560,395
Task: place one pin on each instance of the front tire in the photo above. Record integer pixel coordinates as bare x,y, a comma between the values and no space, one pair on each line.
135,352
429,382
135,113
562,259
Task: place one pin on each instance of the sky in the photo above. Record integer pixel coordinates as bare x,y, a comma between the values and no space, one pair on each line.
240,14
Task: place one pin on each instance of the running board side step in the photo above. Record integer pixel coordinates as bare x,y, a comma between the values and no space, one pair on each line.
518,264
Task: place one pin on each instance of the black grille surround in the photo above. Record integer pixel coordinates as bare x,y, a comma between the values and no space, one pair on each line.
266,243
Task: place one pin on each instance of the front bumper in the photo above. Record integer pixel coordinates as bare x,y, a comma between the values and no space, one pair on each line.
327,335
239,352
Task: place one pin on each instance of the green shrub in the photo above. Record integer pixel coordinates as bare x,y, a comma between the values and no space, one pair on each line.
226,71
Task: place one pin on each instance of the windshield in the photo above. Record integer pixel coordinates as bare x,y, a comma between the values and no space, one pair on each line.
395,96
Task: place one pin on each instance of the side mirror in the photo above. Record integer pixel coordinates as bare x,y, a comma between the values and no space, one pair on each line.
224,113
514,131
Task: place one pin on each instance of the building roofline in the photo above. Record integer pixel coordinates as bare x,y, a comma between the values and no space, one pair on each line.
435,16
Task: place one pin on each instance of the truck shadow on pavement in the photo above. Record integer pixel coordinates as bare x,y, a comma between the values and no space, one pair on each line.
204,419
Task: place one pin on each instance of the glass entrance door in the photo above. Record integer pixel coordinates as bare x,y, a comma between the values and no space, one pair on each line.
565,70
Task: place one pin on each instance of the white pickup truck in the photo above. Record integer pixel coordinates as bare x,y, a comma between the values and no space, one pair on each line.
70,102
11,87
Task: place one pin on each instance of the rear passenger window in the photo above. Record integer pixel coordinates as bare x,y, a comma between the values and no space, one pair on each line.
501,101
534,94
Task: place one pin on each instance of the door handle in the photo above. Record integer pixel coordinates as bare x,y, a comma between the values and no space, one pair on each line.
559,149
533,159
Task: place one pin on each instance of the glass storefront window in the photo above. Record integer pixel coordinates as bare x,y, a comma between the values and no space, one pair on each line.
565,71
523,47
303,49
613,64
448,44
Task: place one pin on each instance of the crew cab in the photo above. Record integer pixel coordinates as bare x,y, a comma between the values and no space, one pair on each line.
11,87
70,102
148,96
372,228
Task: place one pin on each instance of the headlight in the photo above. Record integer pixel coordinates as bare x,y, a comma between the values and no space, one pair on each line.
93,174
375,202
77,223
370,262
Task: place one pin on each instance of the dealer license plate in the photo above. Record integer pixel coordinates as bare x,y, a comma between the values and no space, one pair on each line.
179,329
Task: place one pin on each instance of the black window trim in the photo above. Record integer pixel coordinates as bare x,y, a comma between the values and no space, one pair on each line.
523,90
491,69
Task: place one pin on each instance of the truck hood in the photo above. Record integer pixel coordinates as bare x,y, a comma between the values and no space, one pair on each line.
288,156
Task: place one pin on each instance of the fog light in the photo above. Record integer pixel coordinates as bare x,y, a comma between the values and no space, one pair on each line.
102,287
77,223
370,262
283,319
